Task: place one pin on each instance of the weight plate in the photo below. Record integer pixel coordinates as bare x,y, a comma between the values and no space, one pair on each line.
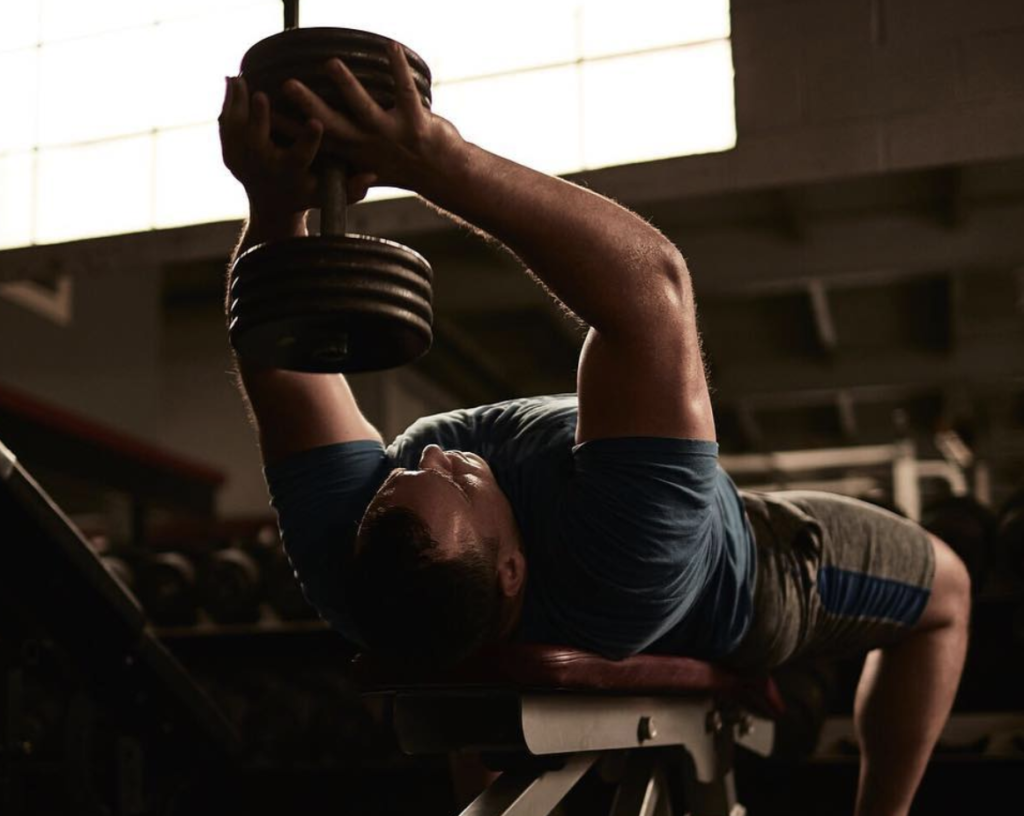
330,304
271,267
301,53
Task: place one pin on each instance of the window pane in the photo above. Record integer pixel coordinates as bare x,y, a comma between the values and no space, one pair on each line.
179,9
203,50
461,40
96,189
18,126
192,184
614,27
20,27
532,118
64,19
97,87
669,103
16,199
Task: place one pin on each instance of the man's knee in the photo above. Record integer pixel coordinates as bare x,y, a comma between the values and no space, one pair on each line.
950,602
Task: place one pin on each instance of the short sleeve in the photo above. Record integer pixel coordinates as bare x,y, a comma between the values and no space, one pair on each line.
635,542
320,496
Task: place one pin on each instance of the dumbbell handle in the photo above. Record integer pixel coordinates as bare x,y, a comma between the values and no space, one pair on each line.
291,14
334,198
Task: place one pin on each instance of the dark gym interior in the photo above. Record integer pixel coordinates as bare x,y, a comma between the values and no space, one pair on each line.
858,265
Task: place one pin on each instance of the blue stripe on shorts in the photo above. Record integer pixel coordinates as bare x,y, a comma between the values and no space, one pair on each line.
845,592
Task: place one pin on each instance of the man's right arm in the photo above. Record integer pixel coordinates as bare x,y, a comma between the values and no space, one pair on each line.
293,411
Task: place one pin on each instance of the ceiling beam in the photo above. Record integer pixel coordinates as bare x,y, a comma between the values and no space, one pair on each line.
950,205
985,362
747,260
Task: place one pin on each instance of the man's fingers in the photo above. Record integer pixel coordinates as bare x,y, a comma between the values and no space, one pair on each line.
286,125
301,154
363,109
259,121
315,108
240,99
407,95
228,87
232,122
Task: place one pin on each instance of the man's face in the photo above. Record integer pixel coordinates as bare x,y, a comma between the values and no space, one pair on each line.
454,493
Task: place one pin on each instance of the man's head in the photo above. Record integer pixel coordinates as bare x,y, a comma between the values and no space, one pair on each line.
439,567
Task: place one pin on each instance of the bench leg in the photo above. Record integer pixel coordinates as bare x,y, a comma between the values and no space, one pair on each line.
528,793
715,796
643,790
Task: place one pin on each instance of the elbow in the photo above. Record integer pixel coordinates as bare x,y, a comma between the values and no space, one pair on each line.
676,289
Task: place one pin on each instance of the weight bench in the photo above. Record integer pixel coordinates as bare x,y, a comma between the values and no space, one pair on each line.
546,715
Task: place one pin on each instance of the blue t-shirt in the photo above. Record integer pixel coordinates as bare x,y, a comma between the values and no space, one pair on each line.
632,544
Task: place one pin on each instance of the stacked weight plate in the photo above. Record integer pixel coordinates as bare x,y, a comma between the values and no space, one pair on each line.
331,303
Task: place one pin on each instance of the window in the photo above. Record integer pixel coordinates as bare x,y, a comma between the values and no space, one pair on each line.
116,101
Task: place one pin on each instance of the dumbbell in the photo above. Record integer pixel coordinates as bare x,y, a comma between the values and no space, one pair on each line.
231,586
332,302
167,588
281,587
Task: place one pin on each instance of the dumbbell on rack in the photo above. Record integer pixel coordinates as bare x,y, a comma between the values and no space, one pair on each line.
333,302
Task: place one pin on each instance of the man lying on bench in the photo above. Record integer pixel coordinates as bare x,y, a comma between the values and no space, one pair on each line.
599,521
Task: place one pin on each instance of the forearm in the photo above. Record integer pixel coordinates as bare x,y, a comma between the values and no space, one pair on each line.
607,264
294,411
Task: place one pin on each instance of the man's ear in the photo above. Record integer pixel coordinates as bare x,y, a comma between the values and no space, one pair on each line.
511,573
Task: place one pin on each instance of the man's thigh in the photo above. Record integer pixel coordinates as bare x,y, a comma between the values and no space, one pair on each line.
836,577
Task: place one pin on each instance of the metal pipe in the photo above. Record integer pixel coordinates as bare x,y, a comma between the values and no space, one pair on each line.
334,198
291,14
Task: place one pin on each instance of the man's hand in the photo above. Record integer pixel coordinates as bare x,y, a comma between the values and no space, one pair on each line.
279,181
400,147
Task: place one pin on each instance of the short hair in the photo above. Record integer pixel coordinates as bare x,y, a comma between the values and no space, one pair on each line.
411,605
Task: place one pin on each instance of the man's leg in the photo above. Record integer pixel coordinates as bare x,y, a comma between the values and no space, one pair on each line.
906,692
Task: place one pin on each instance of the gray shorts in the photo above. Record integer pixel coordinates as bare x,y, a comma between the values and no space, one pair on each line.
835,577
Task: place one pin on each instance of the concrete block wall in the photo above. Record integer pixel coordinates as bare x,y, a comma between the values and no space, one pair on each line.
837,87
102,364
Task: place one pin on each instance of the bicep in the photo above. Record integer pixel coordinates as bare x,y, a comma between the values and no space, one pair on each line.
647,382
296,412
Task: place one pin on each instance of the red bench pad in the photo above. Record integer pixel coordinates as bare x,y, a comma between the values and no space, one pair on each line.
540,667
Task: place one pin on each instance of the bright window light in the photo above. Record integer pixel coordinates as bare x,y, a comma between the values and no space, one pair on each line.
20,27
69,19
659,104
111,125
537,123
191,184
96,87
462,40
18,72
16,171
101,188
612,27
203,50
